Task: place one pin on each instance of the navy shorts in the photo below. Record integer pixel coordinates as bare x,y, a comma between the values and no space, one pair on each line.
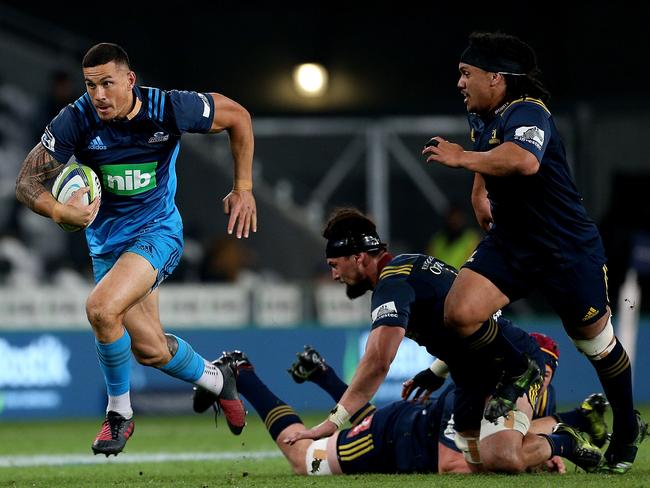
398,438
576,290
155,242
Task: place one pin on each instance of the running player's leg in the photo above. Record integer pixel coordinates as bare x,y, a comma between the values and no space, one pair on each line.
311,366
126,282
579,295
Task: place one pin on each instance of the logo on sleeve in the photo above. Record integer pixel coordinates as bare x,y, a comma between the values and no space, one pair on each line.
384,310
532,135
206,105
48,140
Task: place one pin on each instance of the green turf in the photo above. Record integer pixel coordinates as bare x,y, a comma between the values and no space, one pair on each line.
197,434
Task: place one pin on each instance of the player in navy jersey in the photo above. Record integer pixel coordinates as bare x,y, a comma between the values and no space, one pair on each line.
538,233
408,295
402,437
130,136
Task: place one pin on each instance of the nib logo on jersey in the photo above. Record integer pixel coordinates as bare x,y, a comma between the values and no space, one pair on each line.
129,179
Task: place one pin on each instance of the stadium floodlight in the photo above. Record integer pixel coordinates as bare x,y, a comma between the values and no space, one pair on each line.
310,79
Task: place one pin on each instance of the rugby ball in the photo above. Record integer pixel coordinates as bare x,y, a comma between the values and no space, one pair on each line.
73,177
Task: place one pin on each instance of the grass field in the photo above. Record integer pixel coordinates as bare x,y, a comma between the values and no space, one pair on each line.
163,452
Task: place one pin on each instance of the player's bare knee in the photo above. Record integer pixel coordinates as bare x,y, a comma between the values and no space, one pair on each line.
460,317
100,316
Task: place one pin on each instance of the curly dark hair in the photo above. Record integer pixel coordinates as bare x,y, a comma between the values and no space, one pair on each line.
344,221
498,44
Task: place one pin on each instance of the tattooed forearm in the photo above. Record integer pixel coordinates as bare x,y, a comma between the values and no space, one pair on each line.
38,167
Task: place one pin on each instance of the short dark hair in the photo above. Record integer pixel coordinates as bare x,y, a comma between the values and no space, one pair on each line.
104,53
501,44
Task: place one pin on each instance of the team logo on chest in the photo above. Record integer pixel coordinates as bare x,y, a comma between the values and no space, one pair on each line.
129,179
158,137
493,138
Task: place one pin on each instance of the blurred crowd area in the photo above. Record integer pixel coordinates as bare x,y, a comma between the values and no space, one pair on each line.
34,251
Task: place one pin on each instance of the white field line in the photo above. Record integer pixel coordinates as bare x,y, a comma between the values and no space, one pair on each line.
124,458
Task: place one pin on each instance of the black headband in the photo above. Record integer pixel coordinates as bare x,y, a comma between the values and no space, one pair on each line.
353,244
494,64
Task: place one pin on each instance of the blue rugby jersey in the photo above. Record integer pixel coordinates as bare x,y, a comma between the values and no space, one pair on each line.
539,215
135,159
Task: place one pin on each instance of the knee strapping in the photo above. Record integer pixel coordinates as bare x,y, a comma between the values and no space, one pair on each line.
600,346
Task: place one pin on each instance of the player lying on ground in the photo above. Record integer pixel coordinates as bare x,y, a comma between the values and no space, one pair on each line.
408,296
403,437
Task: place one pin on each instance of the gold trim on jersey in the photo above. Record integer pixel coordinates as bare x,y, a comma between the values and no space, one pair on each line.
404,269
536,101
363,415
358,448
540,408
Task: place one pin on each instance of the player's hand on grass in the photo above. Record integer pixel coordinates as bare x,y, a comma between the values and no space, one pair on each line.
556,465
424,384
324,429
75,211
240,205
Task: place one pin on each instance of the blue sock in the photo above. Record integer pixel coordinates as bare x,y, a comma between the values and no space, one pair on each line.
115,362
574,418
186,364
276,414
561,445
334,386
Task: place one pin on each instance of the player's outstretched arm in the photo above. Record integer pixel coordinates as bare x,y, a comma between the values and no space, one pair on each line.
240,202
39,166
381,349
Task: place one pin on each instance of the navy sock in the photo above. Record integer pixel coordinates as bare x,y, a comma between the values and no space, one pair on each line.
574,418
615,374
490,342
561,445
276,414
334,386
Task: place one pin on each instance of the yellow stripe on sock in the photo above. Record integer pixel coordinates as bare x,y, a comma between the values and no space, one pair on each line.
280,411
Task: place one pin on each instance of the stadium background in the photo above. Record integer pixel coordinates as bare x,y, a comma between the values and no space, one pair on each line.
392,86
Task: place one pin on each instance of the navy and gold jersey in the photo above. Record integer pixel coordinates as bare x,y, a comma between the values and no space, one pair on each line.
134,158
401,437
411,292
540,215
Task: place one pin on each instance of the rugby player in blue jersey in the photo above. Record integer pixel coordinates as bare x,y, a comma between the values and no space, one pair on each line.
130,136
408,296
538,234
